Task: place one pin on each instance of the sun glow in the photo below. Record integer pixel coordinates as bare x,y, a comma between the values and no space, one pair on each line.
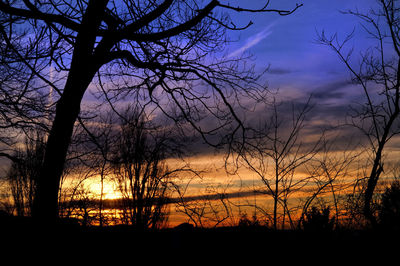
110,191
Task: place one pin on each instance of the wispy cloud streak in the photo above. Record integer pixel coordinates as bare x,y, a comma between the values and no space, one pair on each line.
253,40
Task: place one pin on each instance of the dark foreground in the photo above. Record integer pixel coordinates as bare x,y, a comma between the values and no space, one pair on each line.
23,234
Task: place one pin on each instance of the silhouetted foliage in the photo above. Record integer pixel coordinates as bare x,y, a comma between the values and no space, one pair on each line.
353,207
245,222
389,213
184,227
318,220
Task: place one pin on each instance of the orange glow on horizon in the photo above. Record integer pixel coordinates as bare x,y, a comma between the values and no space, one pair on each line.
110,192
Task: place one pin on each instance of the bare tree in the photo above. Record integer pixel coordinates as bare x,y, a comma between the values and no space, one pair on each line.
97,144
332,173
83,164
24,107
140,171
378,75
208,208
162,49
105,141
24,172
278,152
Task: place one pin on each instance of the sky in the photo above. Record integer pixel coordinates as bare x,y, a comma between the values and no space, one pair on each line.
298,67
288,43
298,64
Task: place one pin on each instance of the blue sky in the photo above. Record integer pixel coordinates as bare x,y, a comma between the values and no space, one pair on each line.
299,65
288,43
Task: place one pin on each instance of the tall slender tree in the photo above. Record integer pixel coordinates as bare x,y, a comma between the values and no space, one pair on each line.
277,152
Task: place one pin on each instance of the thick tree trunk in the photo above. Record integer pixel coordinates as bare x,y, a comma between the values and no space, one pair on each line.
83,67
67,111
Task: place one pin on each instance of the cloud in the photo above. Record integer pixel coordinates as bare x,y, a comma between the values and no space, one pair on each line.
279,71
219,196
253,40
334,90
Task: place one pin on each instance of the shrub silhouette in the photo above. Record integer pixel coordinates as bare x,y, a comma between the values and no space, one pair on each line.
389,213
246,222
318,220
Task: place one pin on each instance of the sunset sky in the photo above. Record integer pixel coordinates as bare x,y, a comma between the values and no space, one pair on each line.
197,96
299,65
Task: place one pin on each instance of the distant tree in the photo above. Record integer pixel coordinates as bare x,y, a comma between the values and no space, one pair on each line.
140,172
104,141
318,220
389,211
24,107
82,165
84,207
245,222
378,75
162,49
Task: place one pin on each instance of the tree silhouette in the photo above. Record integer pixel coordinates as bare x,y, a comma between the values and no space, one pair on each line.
330,172
140,172
389,212
159,49
276,153
318,220
24,172
378,75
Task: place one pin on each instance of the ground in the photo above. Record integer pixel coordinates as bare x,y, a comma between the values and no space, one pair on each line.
231,241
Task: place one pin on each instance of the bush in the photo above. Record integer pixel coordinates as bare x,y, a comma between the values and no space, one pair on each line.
318,220
246,222
389,212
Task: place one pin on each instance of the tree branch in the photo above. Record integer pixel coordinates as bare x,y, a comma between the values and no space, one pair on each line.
261,10
128,33
35,13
